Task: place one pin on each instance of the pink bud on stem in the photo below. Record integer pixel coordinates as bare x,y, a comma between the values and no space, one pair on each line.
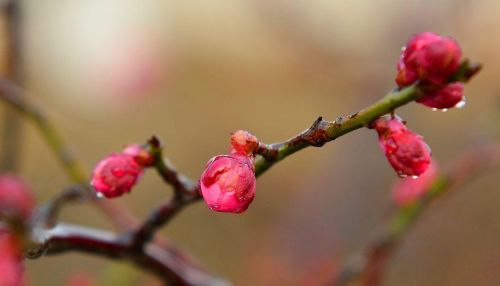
228,183
406,151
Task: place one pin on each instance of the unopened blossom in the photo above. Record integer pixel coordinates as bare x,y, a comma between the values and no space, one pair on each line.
430,58
228,183
115,175
11,268
406,151
16,199
243,142
448,96
140,153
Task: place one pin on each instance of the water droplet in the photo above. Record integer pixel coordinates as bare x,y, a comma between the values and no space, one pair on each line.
414,177
444,109
461,104
100,195
401,175
434,109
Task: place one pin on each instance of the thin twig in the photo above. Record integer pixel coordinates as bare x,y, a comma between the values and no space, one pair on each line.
12,127
370,264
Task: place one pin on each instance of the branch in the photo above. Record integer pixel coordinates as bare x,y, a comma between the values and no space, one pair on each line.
13,95
370,264
320,133
323,131
173,268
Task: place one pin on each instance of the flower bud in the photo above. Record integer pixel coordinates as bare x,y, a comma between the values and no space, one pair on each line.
408,190
428,57
115,175
406,151
11,267
446,97
140,153
228,183
16,199
242,142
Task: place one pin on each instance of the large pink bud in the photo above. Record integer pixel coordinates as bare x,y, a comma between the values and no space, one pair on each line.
406,151
11,268
116,175
228,183
428,57
16,199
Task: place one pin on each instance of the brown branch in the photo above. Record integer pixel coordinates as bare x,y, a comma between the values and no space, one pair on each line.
370,264
173,268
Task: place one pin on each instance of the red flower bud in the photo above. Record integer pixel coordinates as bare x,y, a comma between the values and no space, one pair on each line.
11,268
116,175
406,151
242,142
428,57
408,190
140,154
16,199
449,96
228,183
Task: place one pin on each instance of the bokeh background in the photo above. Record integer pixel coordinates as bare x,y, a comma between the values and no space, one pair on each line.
114,72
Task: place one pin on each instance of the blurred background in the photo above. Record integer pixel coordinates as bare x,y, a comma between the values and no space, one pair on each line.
114,72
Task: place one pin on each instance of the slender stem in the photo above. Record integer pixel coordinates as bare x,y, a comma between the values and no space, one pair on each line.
12,127
370,264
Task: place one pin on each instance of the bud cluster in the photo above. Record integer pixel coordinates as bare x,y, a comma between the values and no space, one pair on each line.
116,174
433,60
228,183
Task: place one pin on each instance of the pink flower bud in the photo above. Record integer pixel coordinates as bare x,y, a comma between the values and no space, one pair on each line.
446,97
115,175
408,190
11,268
140,154
406,151
228,183
242,142
428,57
16,198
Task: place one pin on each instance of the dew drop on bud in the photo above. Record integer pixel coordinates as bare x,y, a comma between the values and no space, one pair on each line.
414,177
444,110
434,109
461,104
99,195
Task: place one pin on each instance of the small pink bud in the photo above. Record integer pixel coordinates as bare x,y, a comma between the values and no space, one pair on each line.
16,198
408,190
242,142
428,57
446,97
11,268
140,154
228,183
116,175
406,151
